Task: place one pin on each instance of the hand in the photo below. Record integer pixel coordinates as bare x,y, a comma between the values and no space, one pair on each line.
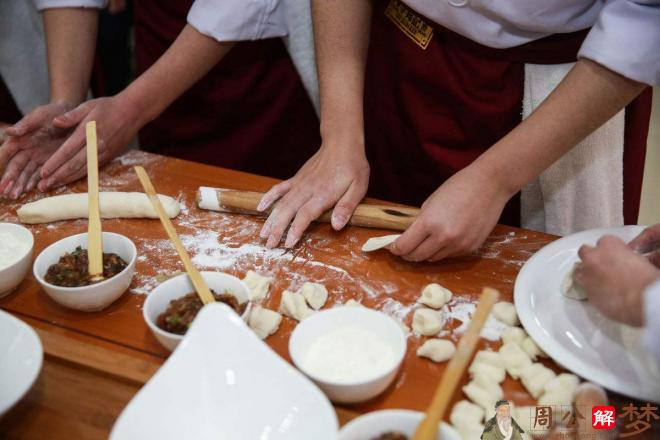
456,219
116,125
614,277
335,176
648,242
29,143
116,6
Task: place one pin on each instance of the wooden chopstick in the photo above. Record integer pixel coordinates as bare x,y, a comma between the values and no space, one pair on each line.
94,233
428,428
195,277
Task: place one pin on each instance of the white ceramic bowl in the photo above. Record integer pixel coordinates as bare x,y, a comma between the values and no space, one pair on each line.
320,323
223,382
21,357
12,275
95,296
376,423
158,300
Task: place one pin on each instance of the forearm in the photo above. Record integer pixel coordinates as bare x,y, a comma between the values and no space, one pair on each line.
71,43
341,37
587,98
189,58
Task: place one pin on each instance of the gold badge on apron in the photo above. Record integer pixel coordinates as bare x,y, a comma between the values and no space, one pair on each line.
409,23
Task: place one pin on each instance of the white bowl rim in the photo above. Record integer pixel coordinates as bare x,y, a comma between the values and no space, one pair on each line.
399,357
78,289
29,250
362,418
160,331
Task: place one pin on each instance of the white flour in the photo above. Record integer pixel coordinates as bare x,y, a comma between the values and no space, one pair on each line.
11,249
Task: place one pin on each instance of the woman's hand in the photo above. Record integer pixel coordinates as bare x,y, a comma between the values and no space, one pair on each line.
116,125
336,175
648,242
455,220
614,277
28,144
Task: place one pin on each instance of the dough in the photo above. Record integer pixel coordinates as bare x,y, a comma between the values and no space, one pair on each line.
258,285
559,391
563,381
514,335
111,204
438,350
534,377
506,312
315,294
352,303
532,350
570,288
483,394
466,413
376,243
489,357
263,321
435,296
427,322
524,416
488,371
294,306
514,359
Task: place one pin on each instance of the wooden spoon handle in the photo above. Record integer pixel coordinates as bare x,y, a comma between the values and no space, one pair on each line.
94,233
195,277
428,428
366,215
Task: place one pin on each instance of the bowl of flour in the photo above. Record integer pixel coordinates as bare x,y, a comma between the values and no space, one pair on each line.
16,243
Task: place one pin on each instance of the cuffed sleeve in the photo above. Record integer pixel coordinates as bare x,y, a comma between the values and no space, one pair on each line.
626,39
51,4
651,335
238,20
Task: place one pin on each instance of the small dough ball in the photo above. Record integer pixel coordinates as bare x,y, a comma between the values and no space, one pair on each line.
493,373
484,395
264,322
435,296
563,381
258,285
534,377
560,391
514,359
438,350
352,303
532,350
376,243
427,322
514,335
505,312
570,288
466,413
315,294
489,357
294,306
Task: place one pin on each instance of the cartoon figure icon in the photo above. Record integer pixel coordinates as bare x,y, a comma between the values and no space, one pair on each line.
502,426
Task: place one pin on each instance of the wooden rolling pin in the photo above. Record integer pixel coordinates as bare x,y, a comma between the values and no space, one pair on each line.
246,202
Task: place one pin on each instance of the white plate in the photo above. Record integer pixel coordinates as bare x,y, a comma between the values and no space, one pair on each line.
375,423
223,383
21,356
574,333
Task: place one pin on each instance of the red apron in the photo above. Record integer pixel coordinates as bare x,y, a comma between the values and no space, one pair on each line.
430,112
250,112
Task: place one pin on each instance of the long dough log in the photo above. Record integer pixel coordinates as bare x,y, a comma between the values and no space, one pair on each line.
112,205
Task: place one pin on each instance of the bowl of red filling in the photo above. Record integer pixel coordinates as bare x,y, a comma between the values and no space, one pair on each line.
170,308
62,271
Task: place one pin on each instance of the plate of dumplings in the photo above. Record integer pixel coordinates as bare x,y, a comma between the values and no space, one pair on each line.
561,321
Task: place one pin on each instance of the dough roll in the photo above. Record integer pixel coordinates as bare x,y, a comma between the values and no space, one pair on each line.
112,205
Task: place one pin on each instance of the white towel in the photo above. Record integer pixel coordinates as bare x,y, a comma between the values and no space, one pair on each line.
584,188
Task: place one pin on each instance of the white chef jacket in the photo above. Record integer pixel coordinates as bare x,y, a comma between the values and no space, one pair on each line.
625,36
651,304
50,4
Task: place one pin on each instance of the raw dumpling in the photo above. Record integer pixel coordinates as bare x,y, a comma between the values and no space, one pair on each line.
484,394
505,312
532,350
570,288
376,243
514,359
294,306
489,357
258,285
534,377
427,322
438,350
466,413
491,372
560,391
264,322
352,303
435,296
514,335
315,294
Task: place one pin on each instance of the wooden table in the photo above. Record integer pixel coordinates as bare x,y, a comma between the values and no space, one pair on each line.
95,362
